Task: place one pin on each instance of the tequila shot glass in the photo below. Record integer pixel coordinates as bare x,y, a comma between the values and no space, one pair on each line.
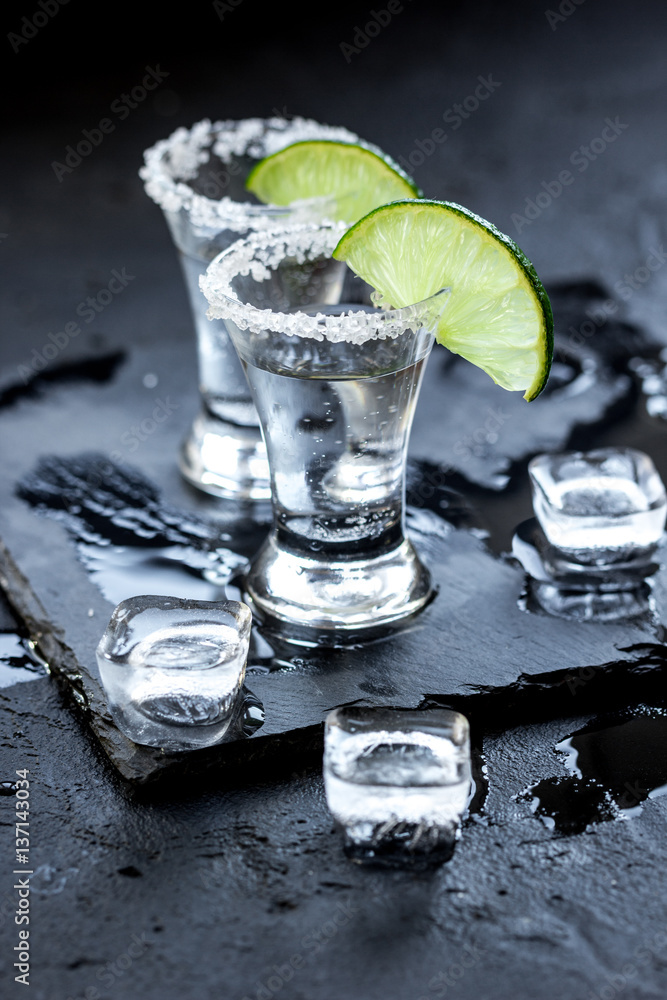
335,382
197,177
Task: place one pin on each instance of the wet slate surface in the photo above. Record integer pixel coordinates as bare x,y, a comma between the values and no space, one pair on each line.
253,874
115,530
211,886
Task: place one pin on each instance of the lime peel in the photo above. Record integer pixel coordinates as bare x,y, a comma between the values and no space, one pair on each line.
358,177
498,315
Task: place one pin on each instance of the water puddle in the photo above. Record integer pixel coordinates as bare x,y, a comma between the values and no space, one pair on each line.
616,763
652,375
121,571
99,370
479,788
19,660
130,542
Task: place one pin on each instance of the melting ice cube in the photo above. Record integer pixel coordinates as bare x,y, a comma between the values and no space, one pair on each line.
603,505
397,780
173,669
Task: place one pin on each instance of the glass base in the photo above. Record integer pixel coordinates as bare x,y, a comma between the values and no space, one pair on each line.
226,460
337,595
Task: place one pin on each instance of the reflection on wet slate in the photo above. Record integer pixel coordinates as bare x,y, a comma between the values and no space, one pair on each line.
479,786
129,540
18,661
616,763
559,586
652,374
591,606
627,752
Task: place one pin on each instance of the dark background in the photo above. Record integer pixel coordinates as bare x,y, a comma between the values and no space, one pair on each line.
223,888
559,80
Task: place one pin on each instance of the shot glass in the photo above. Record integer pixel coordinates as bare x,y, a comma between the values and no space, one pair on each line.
173,669
197,177
397,781
599,507
335,382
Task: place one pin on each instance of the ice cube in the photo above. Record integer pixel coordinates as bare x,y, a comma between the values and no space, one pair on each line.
173,669
397,780
599,506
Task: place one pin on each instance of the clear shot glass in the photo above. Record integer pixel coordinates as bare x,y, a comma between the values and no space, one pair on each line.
397,781
173,669
335,382
197,177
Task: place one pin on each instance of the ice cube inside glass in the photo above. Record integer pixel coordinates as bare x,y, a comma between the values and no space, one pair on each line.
397,780
603,505
173,669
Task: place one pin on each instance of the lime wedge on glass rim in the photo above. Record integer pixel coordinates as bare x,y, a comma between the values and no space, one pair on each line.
498,315
359,178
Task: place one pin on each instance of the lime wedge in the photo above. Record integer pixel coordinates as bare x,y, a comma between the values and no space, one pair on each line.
358,178
498,315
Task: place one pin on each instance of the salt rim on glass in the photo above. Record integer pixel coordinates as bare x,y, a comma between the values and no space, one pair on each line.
261,253
171,163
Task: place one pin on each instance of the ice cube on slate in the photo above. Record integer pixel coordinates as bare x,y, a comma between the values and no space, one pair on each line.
602,505
397,780
173,669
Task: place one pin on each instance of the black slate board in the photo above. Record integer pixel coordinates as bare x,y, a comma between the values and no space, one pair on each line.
475,635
